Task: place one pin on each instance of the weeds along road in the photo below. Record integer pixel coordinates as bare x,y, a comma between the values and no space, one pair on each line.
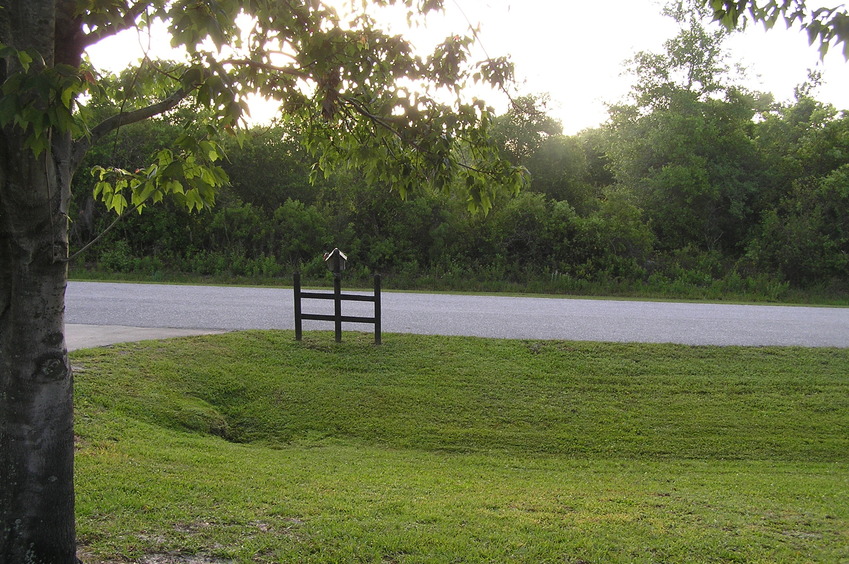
235,308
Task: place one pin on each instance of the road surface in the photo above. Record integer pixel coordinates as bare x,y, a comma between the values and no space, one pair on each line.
113,309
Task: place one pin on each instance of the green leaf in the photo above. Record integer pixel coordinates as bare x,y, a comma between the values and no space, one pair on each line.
25,59
140,196
174,187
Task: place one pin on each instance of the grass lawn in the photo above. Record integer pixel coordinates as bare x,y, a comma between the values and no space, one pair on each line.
251,447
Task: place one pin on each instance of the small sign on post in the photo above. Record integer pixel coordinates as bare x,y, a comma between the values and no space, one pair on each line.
336,261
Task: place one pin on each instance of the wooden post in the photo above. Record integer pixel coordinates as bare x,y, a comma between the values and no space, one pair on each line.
377,309
298,323
337,305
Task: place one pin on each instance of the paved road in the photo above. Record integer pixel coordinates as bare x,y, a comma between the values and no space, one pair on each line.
190,309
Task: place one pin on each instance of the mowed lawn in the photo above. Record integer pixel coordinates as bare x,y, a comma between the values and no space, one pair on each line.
252,447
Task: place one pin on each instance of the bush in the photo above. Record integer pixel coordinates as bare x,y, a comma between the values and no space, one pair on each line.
116,257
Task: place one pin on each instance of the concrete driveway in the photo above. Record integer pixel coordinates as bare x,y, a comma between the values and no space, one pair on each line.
81,336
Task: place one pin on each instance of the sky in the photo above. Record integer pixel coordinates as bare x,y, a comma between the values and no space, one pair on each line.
575,50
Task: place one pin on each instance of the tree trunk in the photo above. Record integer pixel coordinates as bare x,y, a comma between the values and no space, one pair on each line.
36,390
36,385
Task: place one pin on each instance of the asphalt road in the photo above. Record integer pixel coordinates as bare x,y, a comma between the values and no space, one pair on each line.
174,310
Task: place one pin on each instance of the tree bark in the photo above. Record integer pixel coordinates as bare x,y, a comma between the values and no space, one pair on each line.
36,385
36,390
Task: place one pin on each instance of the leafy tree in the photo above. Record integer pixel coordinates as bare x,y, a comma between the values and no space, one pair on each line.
524,128
620,224
559,168
557,164
804,233
594,143
362,98
268,167
795,140
684,144
806,237
131,147
300,230
693,61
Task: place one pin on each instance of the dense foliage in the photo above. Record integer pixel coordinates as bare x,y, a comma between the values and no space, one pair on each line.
693,195
696,186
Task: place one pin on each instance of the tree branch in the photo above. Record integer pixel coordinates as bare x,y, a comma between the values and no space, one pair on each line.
100,235
127,21
382,122
119,120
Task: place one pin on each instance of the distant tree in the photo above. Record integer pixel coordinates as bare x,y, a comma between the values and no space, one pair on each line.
559,168
805,238
557,164
792,143
524,128
683,142
694,62
804,229
269,166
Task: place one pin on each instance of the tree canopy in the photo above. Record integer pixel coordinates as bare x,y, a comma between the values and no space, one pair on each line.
361,96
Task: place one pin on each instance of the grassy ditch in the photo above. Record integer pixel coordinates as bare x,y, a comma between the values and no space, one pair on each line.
250,447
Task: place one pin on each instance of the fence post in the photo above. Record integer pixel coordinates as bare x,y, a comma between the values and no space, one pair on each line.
377,309
297,290
337,305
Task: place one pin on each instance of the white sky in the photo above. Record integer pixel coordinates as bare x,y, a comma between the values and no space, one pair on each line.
574,50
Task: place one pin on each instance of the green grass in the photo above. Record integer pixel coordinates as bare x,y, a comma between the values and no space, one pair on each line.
251,447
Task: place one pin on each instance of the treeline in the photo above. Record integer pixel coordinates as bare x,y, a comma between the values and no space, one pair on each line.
696,187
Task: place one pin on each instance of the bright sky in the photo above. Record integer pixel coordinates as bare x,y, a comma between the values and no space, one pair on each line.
575,50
